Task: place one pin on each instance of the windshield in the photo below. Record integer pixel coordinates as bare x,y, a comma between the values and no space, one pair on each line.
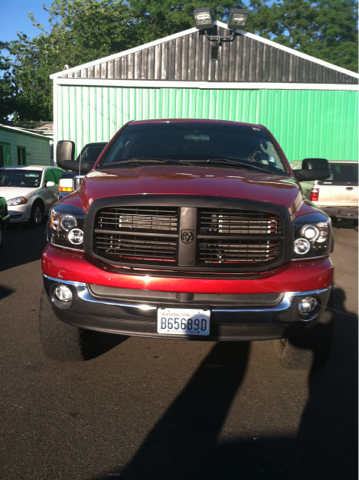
342,174
20,178
195,143
91,152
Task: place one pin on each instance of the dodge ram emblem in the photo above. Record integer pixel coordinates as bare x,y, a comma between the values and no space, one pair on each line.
187,236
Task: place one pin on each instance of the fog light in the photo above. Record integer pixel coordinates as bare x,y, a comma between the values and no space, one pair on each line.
307,305
76,236
63,293
301,246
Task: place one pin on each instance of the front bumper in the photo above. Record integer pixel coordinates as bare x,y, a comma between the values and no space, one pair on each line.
341,212
233,317
20,213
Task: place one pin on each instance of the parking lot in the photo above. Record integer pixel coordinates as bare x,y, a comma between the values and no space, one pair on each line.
152,409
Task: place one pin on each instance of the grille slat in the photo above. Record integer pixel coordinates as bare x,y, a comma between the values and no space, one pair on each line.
134,218
242,222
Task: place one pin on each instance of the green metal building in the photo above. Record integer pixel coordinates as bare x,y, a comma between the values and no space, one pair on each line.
21,147
311,106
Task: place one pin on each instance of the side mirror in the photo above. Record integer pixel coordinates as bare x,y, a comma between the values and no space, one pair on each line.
50,184
313,169
65,150
75,166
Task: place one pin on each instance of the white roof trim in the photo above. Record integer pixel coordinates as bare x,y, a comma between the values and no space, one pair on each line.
25,132
205,85
293,52
192,30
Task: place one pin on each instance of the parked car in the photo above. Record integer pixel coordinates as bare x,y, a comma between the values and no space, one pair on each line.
338,194
30,191
190,229
4,219
70,181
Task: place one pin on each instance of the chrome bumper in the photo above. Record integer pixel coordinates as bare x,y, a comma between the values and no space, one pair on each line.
227,322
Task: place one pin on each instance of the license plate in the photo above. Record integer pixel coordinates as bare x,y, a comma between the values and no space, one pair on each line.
177,321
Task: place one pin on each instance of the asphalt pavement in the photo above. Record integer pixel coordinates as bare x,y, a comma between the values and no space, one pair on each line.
158,409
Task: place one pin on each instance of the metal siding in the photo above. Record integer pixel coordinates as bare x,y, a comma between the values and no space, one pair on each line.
306,123
188,57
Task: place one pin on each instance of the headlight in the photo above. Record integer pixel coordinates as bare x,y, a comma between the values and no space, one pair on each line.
66,225
312,236
17,201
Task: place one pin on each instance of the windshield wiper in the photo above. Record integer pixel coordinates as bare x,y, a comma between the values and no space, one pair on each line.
138,160
230,161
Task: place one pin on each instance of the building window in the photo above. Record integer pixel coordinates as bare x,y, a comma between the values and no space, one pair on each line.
21,155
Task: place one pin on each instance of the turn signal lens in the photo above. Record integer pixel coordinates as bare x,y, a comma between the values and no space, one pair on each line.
323,232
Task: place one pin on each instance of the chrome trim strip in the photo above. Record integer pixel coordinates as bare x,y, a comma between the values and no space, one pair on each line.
85,295
284,305
281,307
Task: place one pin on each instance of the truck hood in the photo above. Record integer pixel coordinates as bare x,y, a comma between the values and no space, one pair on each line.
206,181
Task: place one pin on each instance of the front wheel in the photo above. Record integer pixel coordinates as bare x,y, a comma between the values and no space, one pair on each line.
61,341
308,351
37,214
1,235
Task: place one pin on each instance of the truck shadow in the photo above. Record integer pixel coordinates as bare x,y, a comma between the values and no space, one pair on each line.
185,443
22,244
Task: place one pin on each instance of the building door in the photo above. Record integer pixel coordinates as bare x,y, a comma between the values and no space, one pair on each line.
4,155
21,156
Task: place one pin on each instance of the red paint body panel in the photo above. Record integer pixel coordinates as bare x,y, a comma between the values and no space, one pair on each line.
293,277
184,180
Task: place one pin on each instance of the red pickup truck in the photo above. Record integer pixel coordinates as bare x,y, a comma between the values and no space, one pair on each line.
190,229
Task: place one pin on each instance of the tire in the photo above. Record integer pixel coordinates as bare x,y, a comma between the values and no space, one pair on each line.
37,214
1,235
308,351
61,341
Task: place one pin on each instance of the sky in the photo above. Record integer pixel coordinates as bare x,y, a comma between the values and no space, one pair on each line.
14,16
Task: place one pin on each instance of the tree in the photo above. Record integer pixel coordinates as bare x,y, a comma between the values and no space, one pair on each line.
7,88
80,31
326,29
153,19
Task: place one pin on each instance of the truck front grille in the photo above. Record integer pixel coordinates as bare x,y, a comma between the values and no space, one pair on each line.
189,238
